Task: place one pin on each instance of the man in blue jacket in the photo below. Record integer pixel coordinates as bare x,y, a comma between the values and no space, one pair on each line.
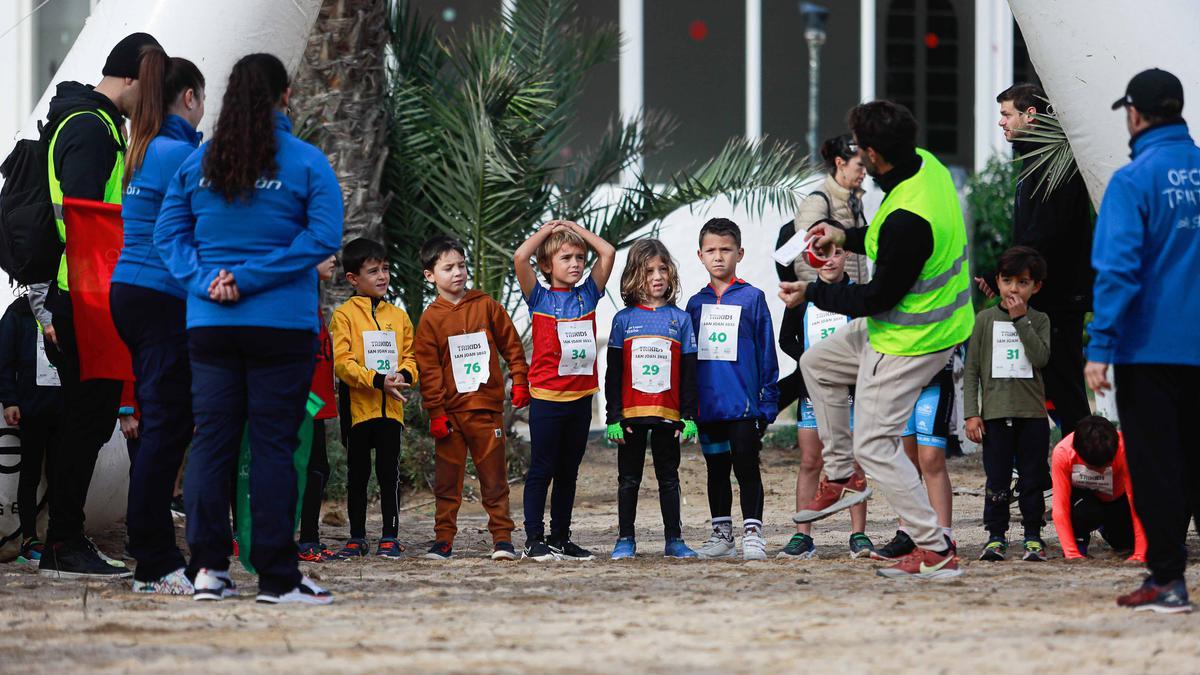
1147,316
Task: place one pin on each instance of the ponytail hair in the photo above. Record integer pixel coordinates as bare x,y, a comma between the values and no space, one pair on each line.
161,80
243,146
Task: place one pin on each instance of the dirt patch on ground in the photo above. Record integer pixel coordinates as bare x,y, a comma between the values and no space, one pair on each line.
649,614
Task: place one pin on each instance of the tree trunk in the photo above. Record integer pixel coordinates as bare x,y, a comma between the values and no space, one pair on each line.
338,104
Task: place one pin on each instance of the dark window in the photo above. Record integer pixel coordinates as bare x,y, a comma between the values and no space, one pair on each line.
695,70
1023,70
54,31
599,102
456,18
925,64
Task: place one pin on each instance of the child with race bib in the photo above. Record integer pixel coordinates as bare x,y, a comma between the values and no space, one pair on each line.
458,344
650,391
815,326
373,360
562,375
738,397
1004,402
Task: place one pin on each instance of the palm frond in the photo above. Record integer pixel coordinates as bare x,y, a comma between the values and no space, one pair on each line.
1052,162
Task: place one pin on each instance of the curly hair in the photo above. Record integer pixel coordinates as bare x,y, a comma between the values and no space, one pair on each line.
163,80
243,146
633,278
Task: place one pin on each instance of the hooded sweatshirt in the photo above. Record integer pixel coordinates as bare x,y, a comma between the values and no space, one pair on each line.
271,241
19,364
140,264
476,320
745,388
362,382
85,151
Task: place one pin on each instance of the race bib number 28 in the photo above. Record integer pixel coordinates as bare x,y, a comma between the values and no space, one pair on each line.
379,351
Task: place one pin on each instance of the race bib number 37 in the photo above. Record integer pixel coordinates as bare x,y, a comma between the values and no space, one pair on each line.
471,360
719,332
379,351
577,339
650,361
1008,353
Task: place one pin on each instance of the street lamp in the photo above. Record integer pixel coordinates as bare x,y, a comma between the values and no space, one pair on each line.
815,17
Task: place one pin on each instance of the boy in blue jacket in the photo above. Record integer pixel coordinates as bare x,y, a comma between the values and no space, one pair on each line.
738,396
1147,315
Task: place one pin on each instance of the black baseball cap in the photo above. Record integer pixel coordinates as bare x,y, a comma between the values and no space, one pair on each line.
1150,90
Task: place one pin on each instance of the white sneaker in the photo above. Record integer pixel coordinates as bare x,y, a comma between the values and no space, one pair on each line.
754,547
306,592
719,545
173,583
213,585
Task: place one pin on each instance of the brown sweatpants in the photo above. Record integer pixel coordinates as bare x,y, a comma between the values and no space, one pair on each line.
481,432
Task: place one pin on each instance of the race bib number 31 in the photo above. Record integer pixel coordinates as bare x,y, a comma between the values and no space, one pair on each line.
379,351
471,360
719,332
1008,353
650,361
577,339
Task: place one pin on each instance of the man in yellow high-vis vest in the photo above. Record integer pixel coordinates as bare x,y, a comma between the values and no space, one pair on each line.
86,161
907,320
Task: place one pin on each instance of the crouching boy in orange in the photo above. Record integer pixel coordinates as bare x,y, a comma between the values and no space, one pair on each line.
462,387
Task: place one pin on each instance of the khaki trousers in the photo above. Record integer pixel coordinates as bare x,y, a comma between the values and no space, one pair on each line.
886,389
481,433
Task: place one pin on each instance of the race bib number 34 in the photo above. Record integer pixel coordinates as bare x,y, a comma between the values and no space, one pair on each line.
471,360
650,361
577,339
1008,354
379,351
719,332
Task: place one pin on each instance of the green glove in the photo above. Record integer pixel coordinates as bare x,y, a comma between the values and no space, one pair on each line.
689,431
615,433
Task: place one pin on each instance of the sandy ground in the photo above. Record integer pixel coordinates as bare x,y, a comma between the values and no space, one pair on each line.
650,614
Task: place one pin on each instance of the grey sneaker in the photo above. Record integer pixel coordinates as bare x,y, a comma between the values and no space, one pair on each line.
719,545
754,547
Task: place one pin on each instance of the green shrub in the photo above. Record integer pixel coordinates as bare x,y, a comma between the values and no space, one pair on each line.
990,204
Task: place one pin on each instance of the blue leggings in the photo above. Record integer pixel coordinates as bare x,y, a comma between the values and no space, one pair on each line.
558,433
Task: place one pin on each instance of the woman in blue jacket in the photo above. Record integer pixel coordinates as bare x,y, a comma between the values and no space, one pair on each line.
148,309
244,224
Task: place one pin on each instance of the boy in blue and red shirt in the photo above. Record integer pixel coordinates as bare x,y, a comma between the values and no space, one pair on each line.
650,390
562,375
739,397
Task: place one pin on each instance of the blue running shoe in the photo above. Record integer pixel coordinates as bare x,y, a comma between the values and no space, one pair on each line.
626,548
677,549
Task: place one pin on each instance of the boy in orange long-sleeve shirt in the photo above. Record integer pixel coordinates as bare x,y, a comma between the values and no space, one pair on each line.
457,345
1092,491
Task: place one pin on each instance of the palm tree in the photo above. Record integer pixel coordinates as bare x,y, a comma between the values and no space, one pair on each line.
479,122
339,104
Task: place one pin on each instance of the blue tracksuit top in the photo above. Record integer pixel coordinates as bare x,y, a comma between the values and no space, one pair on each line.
140,264
271,242
746,388
1147,255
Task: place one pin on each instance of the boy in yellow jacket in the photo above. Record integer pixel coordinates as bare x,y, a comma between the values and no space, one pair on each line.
374,363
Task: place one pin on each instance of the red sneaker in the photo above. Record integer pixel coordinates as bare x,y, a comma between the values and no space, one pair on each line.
923,564
1169,599
833,497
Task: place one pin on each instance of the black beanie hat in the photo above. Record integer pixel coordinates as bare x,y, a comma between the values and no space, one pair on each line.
124,59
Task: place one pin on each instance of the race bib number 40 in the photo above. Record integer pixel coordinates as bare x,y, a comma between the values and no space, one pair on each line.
650,361
719,332
471,360
379,351
1008,353
577,339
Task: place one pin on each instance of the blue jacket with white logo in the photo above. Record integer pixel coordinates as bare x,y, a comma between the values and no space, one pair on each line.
746,388
140,264
1147,255
270,242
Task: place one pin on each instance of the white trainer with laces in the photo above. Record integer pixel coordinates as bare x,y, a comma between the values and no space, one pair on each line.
213,585
173,583
719,545
307,592
754,546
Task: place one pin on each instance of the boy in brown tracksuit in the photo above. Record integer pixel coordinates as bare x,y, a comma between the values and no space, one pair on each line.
462,387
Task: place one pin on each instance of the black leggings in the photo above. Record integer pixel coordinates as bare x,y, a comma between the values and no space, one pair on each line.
1113,519
744,444
631,458
1023,443
314,489
385,436
36,434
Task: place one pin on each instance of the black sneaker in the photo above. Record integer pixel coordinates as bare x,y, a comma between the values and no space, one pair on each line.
504,551
900,546
995,550
536,549
177,507
569,550
306,592
441,550
799,546
77,559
